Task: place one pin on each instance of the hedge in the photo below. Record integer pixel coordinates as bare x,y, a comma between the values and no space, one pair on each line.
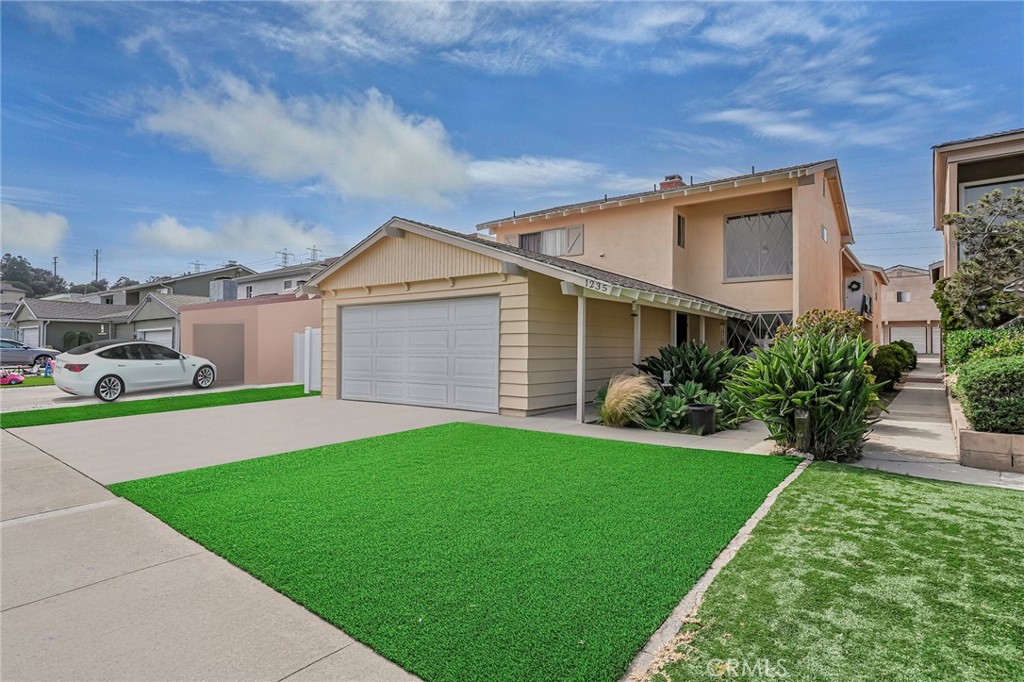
961,344
992,394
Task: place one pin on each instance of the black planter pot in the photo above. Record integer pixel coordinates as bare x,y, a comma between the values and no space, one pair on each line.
702,418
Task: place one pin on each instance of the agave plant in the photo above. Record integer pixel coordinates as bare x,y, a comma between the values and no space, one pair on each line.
823,374
691,361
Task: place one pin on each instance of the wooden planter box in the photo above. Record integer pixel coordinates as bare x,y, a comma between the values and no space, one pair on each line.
982,450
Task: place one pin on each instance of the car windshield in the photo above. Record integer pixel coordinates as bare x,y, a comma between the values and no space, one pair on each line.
89,347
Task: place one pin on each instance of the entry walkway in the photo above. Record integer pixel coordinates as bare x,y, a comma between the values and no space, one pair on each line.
916,436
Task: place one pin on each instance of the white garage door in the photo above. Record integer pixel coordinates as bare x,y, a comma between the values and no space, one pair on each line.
162,336
936,340
30,336
915,335
434,353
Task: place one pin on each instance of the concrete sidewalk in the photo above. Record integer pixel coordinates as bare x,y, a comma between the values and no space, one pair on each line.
95,588
916,436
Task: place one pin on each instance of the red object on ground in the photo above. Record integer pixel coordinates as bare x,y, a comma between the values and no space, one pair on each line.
10,378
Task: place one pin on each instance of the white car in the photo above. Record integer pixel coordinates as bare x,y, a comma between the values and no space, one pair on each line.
108,369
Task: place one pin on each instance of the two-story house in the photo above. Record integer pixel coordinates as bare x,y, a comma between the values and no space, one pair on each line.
863,293
280,281
909,313
542,308
966,170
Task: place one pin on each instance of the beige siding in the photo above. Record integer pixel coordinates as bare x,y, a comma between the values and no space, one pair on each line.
411,258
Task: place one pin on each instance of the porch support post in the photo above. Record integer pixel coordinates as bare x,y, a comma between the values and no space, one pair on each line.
703,329
581,358
636,335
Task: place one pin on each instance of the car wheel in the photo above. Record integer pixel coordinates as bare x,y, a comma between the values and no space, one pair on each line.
109,388
204,377
40,360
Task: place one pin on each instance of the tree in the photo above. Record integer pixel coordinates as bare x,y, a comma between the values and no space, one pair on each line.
37,281
123,281
981,293
90,288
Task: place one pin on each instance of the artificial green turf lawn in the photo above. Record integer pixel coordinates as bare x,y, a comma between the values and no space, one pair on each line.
860,576
31,381
64,415
469,552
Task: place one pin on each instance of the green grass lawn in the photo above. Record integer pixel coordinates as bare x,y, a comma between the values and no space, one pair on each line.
469,552
64,415
860,576
31,381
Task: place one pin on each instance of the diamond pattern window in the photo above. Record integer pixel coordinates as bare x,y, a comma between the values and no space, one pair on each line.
743,336
759,245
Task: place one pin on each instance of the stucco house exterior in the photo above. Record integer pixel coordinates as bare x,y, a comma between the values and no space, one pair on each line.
966,170
279,281
188,284
540,310
156,318
909,313
863,287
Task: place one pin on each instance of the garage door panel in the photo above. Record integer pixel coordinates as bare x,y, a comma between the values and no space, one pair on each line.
435,394
436,366
163,336
475,368
434,353
428,341
466,396
30,336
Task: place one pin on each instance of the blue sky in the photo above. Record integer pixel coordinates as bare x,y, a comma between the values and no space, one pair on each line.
165,133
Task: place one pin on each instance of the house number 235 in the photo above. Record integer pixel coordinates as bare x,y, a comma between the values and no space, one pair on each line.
598,286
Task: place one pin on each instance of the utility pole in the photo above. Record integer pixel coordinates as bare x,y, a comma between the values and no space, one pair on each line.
198,267
285,255
314,253
55,266
96,258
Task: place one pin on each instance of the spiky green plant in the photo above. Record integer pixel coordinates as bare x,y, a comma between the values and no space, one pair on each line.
821,373
691,361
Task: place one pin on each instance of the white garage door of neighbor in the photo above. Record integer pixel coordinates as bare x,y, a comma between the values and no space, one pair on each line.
30,336
162,336
936,340
433,353
915,335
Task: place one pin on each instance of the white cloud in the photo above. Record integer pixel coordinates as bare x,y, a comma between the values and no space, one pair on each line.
155,36
644,22
795,125
532,171
27,229
262,233
360,148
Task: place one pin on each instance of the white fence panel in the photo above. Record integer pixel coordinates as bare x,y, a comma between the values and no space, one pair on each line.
306,359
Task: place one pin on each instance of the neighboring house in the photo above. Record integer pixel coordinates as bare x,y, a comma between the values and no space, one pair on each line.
10,294
280,281
250,340
44,323
188,284
769,243
540,315
863,294
965,171
156,318
909,313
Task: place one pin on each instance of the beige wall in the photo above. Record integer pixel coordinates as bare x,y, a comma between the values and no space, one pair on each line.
269,328
921,307
699,268
817,264
632,240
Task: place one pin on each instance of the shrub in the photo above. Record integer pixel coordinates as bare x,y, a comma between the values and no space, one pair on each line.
623,401
992,394
842,322
962,344
691,361
909,347
888,365
1005,346
821,373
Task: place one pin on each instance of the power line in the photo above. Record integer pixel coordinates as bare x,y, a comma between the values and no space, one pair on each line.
314,253
285,257
198,267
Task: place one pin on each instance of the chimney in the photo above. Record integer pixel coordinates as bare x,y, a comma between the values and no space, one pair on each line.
223,290
672,182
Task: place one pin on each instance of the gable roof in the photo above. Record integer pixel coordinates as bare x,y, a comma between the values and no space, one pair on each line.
289,270
980,138
11,286
164,281
786,172
583,276
900,266
172,302
42,309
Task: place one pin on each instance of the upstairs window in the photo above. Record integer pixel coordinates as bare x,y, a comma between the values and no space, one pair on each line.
561,241
287,284
824,234
759,245
903,297
248,291
681,231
